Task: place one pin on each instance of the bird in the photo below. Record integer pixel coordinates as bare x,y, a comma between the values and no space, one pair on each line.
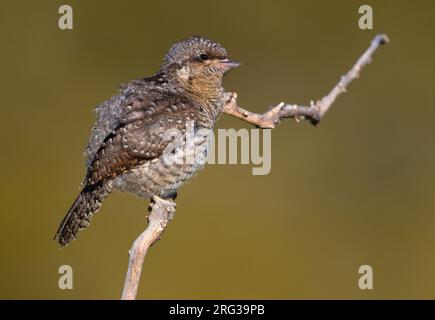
126,148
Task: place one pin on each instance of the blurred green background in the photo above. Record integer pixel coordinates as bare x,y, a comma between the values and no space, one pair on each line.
358,189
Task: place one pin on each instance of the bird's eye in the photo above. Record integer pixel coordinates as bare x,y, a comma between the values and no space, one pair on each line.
203,56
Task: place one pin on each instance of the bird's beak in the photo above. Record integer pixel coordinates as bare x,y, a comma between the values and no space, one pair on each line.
228,64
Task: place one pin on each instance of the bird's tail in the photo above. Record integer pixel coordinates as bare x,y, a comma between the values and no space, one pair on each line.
79,215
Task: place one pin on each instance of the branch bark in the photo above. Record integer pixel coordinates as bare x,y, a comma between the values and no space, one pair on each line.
161,212
315,112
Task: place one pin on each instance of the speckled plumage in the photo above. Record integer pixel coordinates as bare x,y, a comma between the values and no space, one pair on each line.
126,144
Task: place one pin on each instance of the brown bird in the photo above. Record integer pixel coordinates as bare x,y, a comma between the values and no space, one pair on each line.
126,148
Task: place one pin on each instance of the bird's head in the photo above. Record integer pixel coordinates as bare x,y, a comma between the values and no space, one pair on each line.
198,65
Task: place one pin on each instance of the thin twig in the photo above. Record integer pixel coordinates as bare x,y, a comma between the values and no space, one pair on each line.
315,112
162,212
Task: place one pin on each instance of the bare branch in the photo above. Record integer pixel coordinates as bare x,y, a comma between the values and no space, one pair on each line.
162,212
315,112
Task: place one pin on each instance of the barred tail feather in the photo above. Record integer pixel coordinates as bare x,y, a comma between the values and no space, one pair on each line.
79,215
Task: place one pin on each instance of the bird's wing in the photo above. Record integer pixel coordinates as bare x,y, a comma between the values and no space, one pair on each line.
109,115
139,136
107,120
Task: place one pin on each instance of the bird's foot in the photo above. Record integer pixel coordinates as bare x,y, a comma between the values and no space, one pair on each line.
169,204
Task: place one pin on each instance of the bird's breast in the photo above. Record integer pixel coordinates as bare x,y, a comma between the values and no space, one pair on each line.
177,164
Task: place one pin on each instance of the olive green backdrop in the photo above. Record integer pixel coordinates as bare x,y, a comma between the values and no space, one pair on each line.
358,189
